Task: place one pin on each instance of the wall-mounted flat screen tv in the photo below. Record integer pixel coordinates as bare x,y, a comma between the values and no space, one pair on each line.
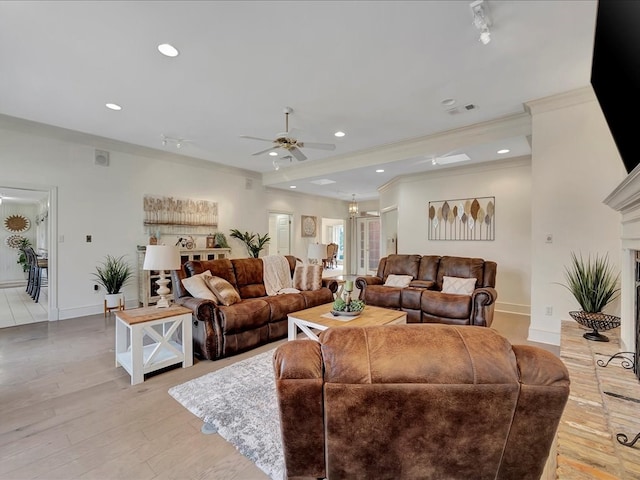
615,73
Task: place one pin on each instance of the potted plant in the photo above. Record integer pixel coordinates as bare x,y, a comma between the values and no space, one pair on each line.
220,240
113,274
253,241
22,257
594,284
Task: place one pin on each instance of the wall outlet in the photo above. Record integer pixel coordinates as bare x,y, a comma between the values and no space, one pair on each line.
548,238
96,288
548,311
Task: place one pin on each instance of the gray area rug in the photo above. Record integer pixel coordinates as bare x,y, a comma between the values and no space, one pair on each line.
239,402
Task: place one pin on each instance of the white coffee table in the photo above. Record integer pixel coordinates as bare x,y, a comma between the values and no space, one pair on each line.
147,340
320,318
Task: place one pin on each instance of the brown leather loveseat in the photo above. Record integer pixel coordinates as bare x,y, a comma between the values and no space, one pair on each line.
220,330
417,402
423,298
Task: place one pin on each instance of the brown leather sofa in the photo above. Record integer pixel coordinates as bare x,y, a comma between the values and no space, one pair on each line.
417,402
219,330
423,299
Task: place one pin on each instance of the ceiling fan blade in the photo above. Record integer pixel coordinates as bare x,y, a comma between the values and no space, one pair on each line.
298,154
266,150
321,146
255,138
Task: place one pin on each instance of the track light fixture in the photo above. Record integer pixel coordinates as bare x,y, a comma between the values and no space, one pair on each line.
481,20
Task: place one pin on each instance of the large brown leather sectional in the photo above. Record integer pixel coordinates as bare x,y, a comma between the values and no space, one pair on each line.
219,330
417,402
423,299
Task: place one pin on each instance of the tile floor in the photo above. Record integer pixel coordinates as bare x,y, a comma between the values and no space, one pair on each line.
18,308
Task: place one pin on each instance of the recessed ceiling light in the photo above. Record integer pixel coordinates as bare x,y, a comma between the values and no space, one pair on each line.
273,154
168,50
339,134
292,186
380,170
113,106
504,150
447,102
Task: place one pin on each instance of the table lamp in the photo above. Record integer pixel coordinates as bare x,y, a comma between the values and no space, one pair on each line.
317,252
161,258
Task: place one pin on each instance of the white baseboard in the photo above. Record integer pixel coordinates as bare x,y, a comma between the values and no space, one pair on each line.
544,336
514,308
64,314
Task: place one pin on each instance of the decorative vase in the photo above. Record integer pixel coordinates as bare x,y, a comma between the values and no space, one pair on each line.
596,321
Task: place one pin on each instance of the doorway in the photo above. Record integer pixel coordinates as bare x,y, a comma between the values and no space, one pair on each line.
368,245
41,205
280,233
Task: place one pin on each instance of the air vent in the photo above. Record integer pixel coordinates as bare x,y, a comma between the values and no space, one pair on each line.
458,110
470,106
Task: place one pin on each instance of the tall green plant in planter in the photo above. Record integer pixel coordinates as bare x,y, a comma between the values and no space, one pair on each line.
113,274
253,241
594,284
22,257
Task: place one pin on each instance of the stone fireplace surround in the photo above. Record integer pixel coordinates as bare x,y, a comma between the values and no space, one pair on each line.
626,200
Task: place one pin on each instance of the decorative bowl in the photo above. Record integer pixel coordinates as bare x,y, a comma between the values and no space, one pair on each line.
336,313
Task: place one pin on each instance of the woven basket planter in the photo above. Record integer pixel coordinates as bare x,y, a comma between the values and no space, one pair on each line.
596,321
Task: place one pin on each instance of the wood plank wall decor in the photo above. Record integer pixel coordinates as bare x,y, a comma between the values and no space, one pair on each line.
160,210
462,219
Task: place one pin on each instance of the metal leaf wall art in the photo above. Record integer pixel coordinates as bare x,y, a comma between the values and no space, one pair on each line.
463,219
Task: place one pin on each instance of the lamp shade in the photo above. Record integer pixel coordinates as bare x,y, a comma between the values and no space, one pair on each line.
161,257
317,251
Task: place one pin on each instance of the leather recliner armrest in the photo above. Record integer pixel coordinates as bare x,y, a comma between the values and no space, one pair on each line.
202,308
331,284
362,282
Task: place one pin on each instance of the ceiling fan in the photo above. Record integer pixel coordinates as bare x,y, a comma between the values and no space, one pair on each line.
286,141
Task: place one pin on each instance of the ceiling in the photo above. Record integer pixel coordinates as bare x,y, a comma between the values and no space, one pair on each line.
377,70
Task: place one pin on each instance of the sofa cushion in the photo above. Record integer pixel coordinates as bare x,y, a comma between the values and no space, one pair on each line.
284,304
446,305
221,267
463,267
461,286
223,290
381,296
249,277
197,286
398,280
307,277
402,265
249,314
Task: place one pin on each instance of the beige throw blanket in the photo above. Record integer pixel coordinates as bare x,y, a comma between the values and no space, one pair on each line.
276,274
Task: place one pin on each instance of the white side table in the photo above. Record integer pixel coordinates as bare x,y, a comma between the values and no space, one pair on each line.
147,340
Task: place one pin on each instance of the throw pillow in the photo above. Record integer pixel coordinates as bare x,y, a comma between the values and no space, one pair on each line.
461,286
401,281
223,290
197,286
307,277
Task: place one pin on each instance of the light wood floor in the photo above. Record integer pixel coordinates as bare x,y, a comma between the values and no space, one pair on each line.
67,412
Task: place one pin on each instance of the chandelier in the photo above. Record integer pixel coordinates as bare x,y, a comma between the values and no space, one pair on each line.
353,207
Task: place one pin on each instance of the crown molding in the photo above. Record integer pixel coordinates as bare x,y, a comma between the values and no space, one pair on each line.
562,100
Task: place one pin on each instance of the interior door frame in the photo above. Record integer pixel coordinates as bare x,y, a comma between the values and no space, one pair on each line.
362,248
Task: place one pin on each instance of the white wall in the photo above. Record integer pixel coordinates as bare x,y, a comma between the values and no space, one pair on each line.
106,202
575,167
510,183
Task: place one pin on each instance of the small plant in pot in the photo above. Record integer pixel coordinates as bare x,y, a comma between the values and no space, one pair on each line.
253,241
594,284
22,257
113,274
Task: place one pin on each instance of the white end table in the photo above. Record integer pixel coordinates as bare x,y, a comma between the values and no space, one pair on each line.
147,340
